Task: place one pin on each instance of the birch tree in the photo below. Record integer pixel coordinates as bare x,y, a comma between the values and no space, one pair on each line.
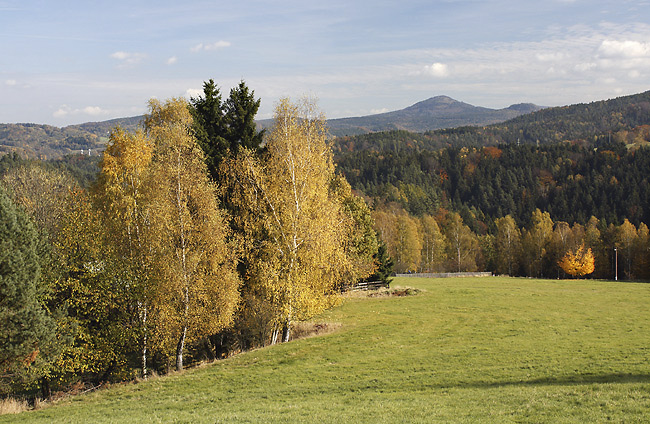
295,229
198,285
360,243
535,242
433,244
409,244
508,245
122,193
462,244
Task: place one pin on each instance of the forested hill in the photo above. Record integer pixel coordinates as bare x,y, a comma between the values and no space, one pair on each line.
574,162
569,181
39,141
624,119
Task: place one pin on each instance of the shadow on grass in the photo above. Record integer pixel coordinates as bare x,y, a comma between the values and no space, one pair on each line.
577,379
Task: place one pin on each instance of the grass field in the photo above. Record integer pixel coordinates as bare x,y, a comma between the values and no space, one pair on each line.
463,350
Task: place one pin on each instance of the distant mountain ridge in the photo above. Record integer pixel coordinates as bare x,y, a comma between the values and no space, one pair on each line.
621,120
435,113
433,123
45,141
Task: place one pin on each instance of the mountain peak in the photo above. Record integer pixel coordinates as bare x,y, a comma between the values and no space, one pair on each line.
431,114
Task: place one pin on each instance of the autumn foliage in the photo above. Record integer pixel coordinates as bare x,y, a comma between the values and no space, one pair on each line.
578,263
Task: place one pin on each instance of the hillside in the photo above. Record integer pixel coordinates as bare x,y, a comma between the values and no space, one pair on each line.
623,118
44,141
489,350
431,124
49,142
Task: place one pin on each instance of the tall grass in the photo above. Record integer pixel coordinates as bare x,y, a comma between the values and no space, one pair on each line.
461,350
13,406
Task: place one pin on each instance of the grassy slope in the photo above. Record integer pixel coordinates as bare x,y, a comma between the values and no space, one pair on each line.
465,350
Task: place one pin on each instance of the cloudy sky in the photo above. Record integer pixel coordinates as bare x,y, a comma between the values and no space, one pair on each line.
66,62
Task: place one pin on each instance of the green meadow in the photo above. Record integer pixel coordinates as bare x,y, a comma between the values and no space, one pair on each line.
488,349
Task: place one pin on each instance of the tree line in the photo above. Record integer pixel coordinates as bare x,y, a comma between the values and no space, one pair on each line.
544,248
199,236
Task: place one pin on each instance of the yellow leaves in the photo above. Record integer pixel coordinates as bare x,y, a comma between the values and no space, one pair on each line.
196,287
166,227
295,228
578,263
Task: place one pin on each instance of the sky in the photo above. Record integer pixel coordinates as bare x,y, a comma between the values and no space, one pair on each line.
69,62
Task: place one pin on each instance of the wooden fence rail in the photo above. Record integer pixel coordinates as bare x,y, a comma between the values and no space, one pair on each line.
369,285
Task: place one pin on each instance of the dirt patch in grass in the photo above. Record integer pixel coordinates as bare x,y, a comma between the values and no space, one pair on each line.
301,330
383,292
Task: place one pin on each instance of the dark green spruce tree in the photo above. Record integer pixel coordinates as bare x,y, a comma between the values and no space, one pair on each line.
27,327
209,126
240,111
384,263
222,128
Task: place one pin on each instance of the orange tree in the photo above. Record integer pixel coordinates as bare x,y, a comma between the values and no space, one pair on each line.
579,262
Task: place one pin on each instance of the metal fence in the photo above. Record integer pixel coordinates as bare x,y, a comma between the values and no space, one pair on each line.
446,274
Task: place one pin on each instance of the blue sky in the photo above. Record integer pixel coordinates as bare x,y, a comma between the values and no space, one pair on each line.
66,62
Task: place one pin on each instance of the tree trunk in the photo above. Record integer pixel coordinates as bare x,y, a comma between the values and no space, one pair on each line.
286,331
144,343
46,391
274,336
179,349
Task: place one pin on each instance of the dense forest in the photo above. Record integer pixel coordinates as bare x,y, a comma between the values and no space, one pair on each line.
575,170
570,181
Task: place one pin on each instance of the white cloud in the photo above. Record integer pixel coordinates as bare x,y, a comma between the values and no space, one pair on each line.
584,67
193,93
66,110
212,46
61,112
172,60
11,82
627,49
550,56
93,110
439,70
128,58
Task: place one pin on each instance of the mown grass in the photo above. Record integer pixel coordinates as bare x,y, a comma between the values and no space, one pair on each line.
462,350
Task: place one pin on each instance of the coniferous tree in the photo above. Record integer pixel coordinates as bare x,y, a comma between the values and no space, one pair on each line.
27,327
240,111
209,126
223,128
384,264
